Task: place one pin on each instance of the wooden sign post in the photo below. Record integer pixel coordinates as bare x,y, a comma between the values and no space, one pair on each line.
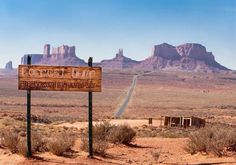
29,153
90,115
59,78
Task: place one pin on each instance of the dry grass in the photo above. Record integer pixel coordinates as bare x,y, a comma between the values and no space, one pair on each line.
10,139
217,139
122,134
38,144
44,138
60,143
165,132
100,143
104,133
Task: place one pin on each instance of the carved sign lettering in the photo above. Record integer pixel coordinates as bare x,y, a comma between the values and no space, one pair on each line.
59,78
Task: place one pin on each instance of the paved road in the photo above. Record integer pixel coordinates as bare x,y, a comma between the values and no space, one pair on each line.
124,105
126,101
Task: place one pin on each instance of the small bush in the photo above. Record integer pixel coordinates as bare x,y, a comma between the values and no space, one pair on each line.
100,134
22,148
10,139
106,132
43,138
99,146
216,139
60,143
16,143
122,134
101,131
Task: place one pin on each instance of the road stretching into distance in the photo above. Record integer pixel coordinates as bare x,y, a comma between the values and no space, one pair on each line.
124,105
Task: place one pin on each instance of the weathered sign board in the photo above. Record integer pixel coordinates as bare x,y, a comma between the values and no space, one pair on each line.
60,78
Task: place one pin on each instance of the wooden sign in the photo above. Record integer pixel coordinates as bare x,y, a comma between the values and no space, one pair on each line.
60,78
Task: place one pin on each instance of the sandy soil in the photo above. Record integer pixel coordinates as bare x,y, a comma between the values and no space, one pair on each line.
142,152
132,123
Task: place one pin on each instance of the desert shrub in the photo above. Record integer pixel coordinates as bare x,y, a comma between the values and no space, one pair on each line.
21,147
44,138
122,134
101,131
99,146
145,131
100,134
38,143
216,139
104,133
60,143
10,139
174,133
16,143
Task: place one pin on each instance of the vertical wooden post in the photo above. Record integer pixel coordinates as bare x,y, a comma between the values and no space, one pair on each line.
90,116
29,153
150,121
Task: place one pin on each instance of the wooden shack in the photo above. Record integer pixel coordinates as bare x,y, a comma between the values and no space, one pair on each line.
182,121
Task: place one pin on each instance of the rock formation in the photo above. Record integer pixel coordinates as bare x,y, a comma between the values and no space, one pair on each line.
195,51
119,62
35,58
63,52
188,57
8,66
63,55
166,51
185,57
46,52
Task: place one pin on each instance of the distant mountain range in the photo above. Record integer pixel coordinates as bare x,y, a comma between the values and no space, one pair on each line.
186,57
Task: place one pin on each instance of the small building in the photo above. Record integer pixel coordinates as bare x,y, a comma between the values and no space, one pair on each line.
182,121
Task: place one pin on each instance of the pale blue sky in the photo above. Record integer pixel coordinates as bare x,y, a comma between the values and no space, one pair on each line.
99,28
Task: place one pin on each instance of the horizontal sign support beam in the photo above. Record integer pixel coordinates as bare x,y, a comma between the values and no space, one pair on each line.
60,78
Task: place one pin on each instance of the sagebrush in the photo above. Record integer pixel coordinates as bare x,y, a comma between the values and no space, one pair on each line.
44,138
218,139
105,133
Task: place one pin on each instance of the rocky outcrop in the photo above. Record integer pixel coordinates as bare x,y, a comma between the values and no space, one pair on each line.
195,51
35,58
166,51
63,52
119,62
63,55
46,51
8,66
188,57
185,57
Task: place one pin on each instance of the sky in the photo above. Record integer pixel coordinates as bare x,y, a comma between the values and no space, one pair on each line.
98,28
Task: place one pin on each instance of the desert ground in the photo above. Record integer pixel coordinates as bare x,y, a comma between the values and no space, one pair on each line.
211,96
